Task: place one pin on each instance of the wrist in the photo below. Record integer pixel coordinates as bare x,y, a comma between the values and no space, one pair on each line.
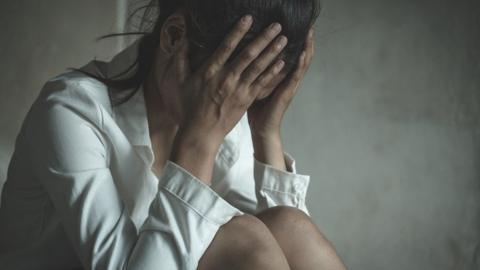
266,137
269,150
196,153
193,146
199,139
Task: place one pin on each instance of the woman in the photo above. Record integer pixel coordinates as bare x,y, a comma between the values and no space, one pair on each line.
170,156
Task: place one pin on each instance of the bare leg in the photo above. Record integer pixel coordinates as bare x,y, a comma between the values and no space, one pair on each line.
244,243
303,244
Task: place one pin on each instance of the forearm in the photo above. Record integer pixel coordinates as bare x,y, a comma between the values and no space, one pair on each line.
195,153
277,183
268,149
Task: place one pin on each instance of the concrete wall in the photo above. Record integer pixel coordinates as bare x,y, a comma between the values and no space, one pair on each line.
387,121
38,40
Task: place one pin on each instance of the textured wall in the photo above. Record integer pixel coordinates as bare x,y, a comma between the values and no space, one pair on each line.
38,40
387,121
387,124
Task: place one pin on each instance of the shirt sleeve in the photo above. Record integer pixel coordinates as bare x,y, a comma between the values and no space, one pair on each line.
274,187
253,186
69,156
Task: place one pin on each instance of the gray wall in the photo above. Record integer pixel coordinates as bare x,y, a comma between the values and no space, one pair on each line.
38,40
387,122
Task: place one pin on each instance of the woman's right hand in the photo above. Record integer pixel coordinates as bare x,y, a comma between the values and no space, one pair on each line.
219,93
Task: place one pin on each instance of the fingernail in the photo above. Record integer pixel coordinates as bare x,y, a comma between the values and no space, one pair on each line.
279,65
302,57
276,27
247,19
282,41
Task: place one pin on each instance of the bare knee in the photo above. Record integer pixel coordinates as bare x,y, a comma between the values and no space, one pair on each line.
283,219
299,238
244,243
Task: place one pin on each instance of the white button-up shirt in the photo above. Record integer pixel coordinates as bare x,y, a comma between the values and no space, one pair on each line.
80,192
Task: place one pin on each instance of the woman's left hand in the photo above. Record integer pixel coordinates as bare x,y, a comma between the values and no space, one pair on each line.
265,116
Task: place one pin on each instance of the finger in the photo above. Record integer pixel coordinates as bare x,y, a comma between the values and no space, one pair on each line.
266,78
253,50
301,68
264,60
290,86
181,61
310,47
300,72
312,41
229,44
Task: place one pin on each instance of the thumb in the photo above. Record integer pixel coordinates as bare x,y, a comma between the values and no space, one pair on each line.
181,62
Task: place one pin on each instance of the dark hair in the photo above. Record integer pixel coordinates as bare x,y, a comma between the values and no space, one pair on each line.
208,21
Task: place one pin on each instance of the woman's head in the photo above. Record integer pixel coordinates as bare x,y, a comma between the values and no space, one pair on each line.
208,21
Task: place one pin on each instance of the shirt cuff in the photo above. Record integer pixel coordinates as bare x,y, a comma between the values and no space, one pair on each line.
276,187
184,218
196,195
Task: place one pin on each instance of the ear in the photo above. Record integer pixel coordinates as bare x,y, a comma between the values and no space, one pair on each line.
173,32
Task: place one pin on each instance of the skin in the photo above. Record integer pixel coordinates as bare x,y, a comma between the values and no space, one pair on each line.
190,113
